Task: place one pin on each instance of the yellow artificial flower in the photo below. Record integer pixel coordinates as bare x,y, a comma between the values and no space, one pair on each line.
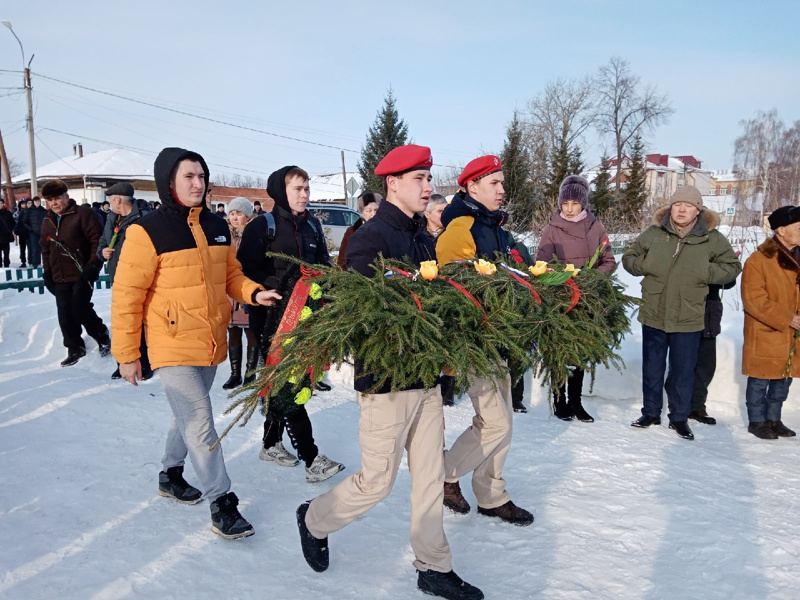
288,341
539,268
429,269
484,267
305,313
315,293
303,396
570,267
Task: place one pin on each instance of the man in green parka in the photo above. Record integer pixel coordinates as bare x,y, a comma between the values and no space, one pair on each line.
679,255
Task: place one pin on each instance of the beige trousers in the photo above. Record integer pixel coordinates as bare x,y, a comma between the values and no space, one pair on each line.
483,447
389,423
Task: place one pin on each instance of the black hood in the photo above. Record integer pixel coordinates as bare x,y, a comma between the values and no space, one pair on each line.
463,205
276,187
166,164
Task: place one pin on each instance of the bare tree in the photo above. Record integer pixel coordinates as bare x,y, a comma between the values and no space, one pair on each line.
445,179
757,153
563,111
625,108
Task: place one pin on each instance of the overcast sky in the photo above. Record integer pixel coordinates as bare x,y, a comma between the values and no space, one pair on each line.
318,71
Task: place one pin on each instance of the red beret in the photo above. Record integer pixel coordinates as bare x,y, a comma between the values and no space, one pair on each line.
405,158
478,168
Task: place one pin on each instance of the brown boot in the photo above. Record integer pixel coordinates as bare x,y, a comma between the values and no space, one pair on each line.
510,513
454,499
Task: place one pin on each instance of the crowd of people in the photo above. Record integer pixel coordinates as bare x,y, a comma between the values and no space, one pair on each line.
190,285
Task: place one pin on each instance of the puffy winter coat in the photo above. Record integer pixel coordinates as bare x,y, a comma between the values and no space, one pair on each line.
471,231
78,231
771,297
576,243
390,233
32,219
295,235
677,271
139,209
175,273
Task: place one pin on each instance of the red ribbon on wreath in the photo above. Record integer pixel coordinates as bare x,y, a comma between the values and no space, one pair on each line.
290,318
576,293
410,276
534,293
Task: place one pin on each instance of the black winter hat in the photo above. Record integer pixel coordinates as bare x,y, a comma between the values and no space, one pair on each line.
785,215
276,187
120,189
576,188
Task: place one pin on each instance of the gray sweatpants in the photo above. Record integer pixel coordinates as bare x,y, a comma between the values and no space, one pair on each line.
192,429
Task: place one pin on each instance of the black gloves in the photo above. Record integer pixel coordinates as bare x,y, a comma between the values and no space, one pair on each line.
91,272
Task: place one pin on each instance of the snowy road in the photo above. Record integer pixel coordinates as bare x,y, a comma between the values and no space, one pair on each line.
620,513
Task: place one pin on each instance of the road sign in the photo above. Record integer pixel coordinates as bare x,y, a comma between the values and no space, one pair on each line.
352,186
730,211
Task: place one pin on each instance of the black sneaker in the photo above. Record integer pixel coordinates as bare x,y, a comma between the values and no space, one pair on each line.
510,513
682,429
226,520
447,585
73,356
518,406
104,345
321,386
315,550
147,374
116,374
171,484
644,421
701,416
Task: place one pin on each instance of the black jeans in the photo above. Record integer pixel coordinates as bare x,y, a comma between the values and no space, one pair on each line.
75,309
34,250
5,248
22,240
704,372
298,425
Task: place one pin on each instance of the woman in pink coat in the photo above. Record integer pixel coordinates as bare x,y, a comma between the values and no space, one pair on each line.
573,236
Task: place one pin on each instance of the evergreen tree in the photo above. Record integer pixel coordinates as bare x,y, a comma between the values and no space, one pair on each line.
387,132
601,199
520,193
634,196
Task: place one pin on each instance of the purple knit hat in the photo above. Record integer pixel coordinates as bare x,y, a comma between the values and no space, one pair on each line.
576,188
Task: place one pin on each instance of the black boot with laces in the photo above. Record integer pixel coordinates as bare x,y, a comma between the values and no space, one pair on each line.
226,521
171,484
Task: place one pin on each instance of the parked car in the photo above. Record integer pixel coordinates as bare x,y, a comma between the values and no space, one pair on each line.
335,219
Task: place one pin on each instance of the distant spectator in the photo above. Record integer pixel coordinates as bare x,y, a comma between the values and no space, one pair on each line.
99,212
257,210
20,231
31,220
221,210
106,207
368,204
6,233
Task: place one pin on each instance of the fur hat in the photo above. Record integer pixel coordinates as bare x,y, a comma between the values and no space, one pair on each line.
783,216
242,204
53,189
690,195
575,188
366,199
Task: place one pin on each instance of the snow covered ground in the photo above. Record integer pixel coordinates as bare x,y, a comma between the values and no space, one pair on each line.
620,513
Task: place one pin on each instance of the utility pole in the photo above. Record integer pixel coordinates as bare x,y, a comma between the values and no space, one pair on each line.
26,78
344,180
10,200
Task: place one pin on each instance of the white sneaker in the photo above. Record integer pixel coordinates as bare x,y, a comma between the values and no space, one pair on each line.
322,468
279,455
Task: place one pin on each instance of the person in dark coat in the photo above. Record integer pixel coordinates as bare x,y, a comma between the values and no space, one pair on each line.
707,354
368,204
126,210
32,220
20,231
297,233
7,226
103,217
70,234
573,236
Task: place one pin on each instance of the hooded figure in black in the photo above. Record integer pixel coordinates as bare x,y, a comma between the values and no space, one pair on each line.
296,233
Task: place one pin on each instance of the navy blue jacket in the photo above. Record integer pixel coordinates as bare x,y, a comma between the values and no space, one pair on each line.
471,231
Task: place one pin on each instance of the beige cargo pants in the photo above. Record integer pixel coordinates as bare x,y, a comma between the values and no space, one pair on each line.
483,447
412,420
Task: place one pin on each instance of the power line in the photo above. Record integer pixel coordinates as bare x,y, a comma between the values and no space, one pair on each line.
188,114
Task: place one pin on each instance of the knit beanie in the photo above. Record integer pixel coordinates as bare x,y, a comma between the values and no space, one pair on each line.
690,195
241,204
575,188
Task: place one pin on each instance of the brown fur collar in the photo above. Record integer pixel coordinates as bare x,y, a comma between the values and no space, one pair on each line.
711,218
770,248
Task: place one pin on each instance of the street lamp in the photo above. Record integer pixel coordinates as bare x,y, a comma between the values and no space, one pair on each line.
26,78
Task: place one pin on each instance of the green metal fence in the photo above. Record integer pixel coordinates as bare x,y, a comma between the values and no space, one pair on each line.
31,280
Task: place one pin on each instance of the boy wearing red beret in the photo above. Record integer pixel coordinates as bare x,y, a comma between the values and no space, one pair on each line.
410,419
473,229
